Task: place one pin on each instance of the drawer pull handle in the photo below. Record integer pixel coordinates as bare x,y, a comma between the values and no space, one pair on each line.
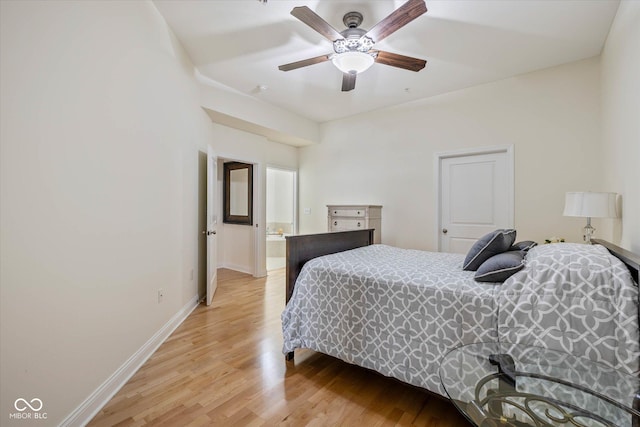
358,224
335,222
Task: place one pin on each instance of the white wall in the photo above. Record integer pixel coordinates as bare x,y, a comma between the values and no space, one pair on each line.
386,157
621,121
280,187
101,130
249,114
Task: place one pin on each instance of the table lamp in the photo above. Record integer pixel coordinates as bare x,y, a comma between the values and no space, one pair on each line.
589,205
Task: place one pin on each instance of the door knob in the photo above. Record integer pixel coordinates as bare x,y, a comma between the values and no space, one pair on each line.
444,230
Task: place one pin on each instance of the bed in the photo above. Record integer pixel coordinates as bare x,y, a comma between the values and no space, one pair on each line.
398,311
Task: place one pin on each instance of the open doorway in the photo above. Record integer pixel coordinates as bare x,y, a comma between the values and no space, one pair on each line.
281,217
238,241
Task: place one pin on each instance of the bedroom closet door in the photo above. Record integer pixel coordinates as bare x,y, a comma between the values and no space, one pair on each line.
475,195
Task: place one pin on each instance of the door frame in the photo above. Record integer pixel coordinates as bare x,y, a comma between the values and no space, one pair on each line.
466,152
260,234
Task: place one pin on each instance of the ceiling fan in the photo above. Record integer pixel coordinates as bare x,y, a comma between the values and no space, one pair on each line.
353,47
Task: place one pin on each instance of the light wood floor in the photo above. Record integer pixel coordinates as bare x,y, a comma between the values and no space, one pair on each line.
224,366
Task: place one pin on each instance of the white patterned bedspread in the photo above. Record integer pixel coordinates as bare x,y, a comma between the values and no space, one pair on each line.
396,311
575,298
399,311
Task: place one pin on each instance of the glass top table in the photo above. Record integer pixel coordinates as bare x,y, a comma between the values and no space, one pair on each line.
500,384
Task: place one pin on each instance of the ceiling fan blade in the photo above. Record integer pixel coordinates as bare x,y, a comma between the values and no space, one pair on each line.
348,81
312,19
400,61
397,19
304,63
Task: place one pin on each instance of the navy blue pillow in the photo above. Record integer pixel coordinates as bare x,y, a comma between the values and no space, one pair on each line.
500,267
487,246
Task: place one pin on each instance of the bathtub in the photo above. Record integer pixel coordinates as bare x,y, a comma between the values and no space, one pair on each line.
276,245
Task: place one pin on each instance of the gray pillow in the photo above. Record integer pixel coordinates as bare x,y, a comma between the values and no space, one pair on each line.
487,246
500,267
525,245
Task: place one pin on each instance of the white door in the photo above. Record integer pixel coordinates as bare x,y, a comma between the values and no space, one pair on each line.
476,197
212,223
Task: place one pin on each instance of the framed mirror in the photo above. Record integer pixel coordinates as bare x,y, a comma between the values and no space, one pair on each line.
238,193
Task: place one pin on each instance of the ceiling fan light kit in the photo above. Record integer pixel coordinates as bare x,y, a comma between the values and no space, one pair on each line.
353,47
352,62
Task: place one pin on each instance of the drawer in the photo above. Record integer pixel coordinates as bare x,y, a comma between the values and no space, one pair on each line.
346,224
360,213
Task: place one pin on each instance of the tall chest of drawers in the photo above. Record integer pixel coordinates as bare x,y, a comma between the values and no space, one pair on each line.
355,217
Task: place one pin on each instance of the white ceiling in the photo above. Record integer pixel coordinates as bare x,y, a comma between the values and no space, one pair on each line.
240,43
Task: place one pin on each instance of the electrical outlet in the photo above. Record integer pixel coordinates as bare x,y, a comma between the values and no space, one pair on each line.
160,295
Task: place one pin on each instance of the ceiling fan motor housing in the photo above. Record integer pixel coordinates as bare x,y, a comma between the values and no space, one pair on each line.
353,40
352,19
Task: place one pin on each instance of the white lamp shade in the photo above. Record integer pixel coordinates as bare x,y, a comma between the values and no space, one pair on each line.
353,61
590,204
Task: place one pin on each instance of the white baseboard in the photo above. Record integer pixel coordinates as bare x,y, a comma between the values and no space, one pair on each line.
101,396
236,267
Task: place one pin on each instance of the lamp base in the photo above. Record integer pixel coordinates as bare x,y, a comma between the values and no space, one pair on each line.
588,232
